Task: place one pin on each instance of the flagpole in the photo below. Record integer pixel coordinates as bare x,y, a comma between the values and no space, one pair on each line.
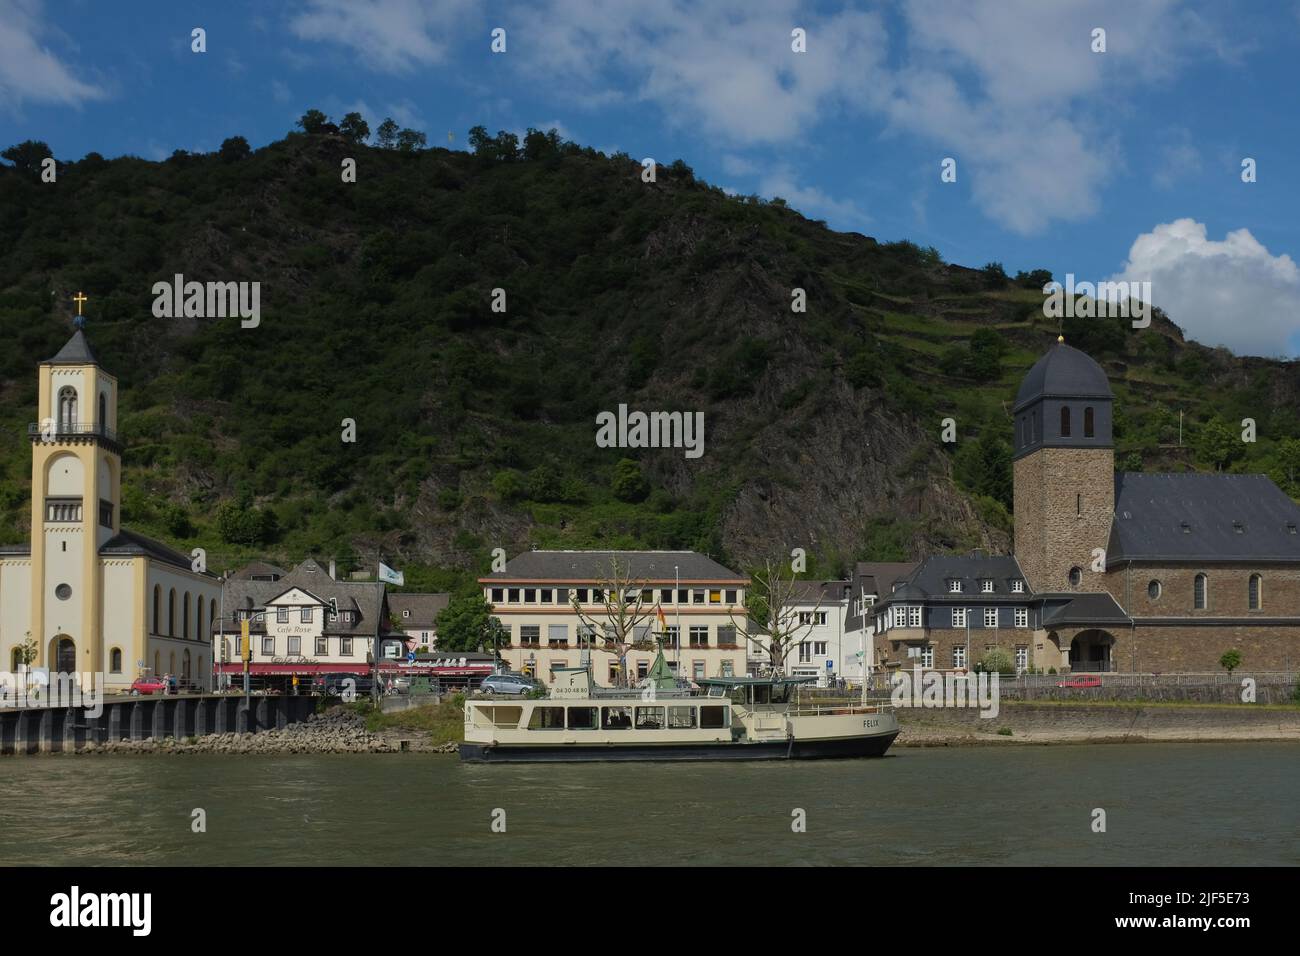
677,599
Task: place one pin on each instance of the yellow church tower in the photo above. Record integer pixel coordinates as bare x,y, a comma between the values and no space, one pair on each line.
76,498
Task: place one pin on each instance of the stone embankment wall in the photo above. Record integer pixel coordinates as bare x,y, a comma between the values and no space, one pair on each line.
1079,723
60,729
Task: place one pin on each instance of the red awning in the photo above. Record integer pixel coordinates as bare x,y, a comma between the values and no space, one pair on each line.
267,669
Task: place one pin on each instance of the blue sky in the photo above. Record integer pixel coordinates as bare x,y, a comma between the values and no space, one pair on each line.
1119,164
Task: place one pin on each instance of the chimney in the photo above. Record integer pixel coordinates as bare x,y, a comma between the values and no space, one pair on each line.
332,575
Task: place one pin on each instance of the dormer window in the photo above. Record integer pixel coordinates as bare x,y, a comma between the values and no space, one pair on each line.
1238,528
1017,587
1187,528
954,586
1291,527
406,613
986,586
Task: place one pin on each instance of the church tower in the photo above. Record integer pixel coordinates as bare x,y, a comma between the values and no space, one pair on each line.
76,498
1063,470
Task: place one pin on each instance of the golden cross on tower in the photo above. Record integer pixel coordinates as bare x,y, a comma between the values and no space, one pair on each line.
79,298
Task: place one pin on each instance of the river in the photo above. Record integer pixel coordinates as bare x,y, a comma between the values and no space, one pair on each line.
1165,804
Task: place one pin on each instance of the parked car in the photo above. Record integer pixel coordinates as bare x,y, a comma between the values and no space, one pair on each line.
1083,680
148,685
333,685
508,684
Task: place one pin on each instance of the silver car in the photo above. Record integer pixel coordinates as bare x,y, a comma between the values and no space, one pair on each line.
511,684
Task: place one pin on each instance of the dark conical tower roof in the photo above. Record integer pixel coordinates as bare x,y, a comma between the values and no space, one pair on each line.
1064,372
75,352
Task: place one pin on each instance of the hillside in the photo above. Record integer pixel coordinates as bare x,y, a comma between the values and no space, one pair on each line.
476,429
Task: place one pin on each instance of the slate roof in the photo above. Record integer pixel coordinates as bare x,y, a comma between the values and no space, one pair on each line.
76,351
879,577
1062,610
366,598
813,592
1151,510
1063,372
124,543
929,582
129,543
650,566
424,608
259,569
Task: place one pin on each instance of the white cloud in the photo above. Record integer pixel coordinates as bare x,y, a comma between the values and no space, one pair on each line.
810,200
280,92
1231,292
726,66
29,71
392,36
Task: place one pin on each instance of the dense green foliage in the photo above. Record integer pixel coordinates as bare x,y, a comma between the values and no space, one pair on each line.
474,427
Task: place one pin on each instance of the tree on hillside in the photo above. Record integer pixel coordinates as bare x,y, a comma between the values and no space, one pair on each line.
983,467
410,140
538,145
232,150
1216,444
503,146
354,128
995,277
628,483
28,155
386,135
313,121
622,621
771,622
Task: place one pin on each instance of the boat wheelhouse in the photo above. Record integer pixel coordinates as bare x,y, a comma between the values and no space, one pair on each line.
727,718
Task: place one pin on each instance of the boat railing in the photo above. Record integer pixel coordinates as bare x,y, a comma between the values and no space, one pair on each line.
842,707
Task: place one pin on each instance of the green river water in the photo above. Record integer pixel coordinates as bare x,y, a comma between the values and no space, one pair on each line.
1166,804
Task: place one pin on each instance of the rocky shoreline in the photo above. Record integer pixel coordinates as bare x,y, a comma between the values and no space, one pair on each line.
333,732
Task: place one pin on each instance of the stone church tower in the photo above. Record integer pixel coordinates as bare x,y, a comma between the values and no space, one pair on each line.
1063,470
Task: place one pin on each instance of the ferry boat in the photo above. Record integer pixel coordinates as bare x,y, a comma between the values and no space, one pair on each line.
728,718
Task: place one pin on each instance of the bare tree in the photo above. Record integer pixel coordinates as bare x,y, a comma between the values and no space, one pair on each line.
626,605
772,623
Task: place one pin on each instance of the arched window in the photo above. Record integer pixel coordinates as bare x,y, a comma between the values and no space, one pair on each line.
115,661
157,608
171,664
1065,421
67,408
1088,426
198,619
1256,583
185,616
171,613
1199,589
157,664
16,661
103,412
185,666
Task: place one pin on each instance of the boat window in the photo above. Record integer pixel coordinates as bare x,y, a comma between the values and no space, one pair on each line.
681,718
712,717
649,718
616,718
583,718
546,718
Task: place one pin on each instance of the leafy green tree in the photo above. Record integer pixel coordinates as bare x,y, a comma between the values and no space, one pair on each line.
995,661
1286,470
313,121
467,624
386,135
480,142
410,141
983,467
1230,660
1034,280
508,484
354,128
232,150
1216,444
178,521
860,369
28,155
995,277
628,483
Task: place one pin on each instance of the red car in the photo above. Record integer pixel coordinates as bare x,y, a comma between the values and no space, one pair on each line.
148,685
1088,680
